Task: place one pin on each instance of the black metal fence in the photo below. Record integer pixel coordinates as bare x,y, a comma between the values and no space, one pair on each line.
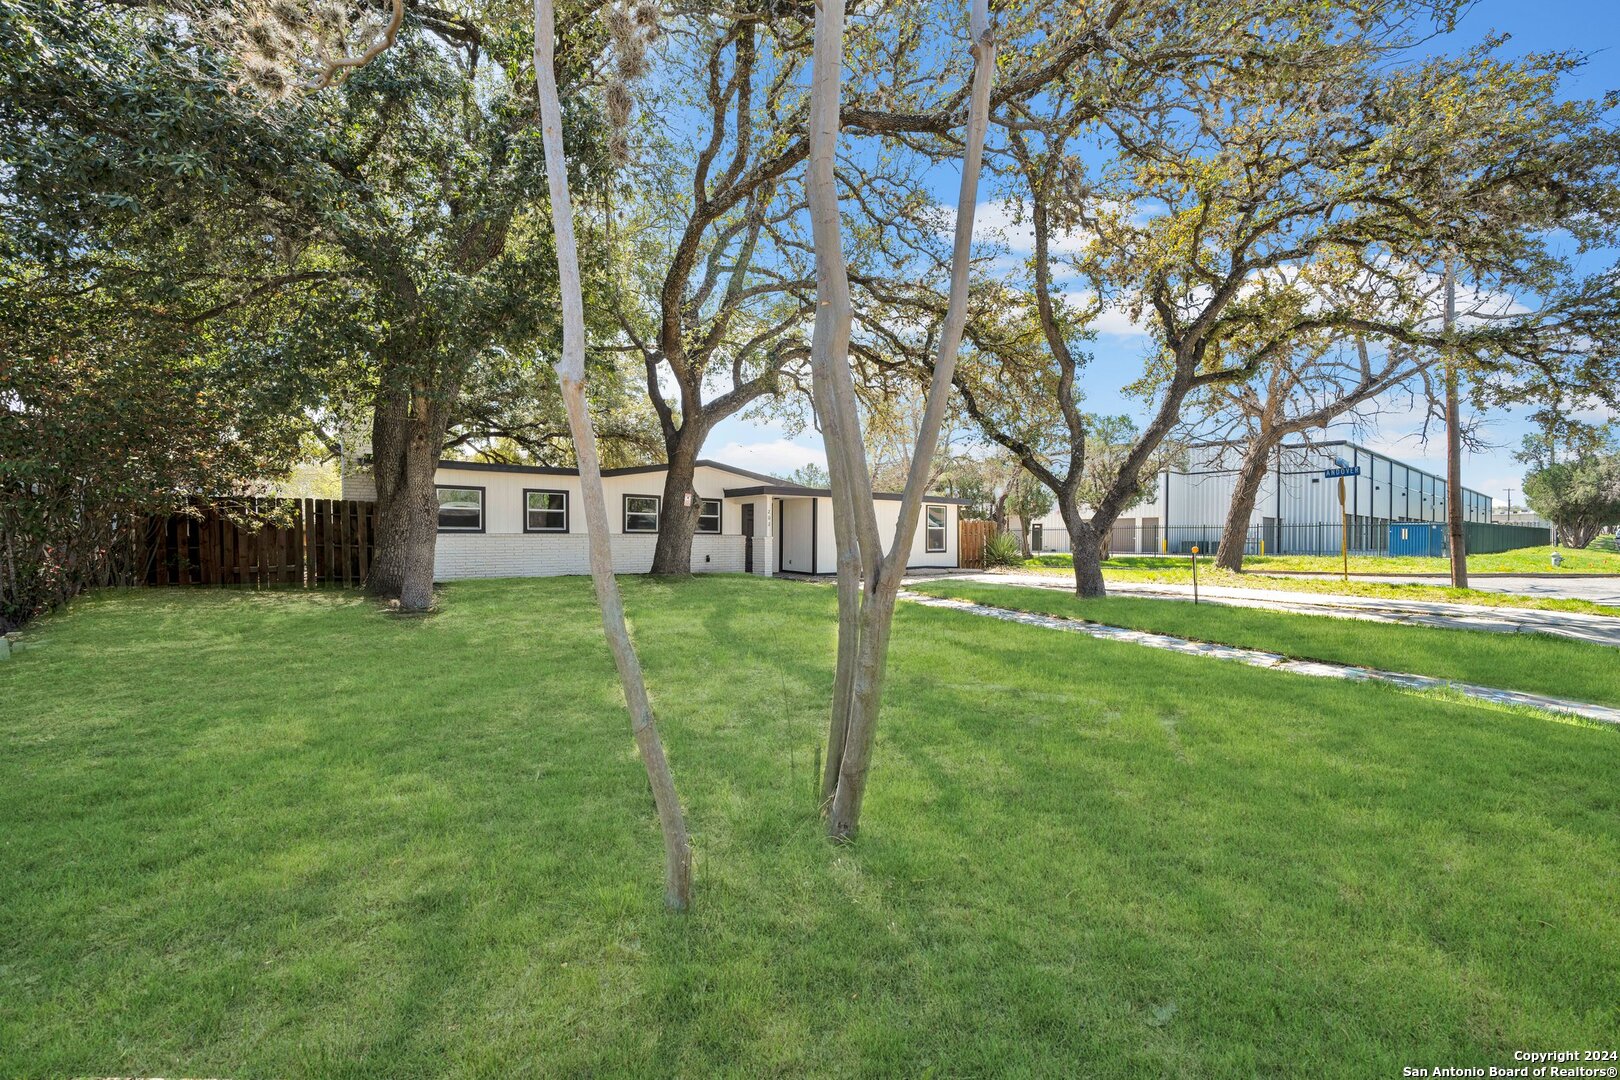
1368,536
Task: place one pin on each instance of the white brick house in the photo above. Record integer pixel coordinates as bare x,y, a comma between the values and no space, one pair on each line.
526,521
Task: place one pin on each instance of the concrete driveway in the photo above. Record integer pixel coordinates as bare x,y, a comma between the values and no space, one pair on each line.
1598,629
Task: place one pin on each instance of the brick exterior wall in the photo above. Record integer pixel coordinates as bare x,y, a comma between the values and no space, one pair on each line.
486,555
359,484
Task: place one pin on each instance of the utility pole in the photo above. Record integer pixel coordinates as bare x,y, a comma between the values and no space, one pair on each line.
1510,502
1456,531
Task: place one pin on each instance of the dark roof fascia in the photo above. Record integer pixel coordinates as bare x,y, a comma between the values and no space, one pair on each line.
824,493
628,470
772,484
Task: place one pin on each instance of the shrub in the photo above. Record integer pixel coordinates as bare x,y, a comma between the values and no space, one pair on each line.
1003,549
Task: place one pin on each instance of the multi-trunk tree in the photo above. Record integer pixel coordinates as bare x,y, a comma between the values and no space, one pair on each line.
869,571
400,224
1240,209
1318,384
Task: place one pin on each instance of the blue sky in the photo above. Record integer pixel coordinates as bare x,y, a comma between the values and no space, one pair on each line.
1534,25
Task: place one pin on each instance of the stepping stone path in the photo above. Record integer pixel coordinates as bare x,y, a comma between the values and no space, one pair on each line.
1275,661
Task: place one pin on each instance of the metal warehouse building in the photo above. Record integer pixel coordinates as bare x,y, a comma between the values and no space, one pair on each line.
1297,511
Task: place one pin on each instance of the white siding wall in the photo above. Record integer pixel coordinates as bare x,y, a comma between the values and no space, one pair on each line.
504,549
796,547
795,526
888,515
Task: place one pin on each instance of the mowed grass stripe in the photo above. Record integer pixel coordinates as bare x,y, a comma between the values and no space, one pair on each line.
1535,663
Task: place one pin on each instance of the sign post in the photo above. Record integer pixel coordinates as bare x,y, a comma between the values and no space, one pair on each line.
1344,532
1195,572
1341,472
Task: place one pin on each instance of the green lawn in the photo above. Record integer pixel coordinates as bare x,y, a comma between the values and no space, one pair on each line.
283,835
1179,572
1532,560
1539,664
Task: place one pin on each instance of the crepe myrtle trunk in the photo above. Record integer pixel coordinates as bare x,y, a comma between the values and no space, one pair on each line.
881,569
1235,534
406,436
678,513
571,378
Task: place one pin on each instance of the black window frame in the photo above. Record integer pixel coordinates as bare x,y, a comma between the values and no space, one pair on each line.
567,508
657,513
944,526
719,517
483,506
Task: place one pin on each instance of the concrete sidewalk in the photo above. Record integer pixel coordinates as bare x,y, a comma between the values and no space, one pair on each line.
1598,629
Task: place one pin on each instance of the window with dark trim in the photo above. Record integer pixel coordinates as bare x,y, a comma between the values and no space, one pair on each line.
545,511
641,513
461,508
934,528
708,516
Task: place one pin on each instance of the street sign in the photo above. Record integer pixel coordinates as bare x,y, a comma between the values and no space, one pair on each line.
1352,470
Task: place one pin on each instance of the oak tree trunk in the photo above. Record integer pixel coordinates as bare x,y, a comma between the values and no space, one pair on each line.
405,455
1085,542
678,514
1235,533
1457,532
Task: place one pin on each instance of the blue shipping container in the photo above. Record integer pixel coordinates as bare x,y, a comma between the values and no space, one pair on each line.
1417,538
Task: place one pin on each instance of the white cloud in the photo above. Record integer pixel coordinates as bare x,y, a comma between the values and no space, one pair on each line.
998,222
775,456
1112,321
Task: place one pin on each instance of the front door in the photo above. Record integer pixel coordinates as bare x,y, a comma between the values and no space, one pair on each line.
748,537
1035,537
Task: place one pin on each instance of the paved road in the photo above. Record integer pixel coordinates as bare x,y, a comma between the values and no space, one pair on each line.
1599,629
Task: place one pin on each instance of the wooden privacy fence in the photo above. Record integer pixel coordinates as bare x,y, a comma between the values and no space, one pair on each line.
262,542
970,538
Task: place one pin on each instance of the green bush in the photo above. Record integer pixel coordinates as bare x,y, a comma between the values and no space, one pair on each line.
1003,549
